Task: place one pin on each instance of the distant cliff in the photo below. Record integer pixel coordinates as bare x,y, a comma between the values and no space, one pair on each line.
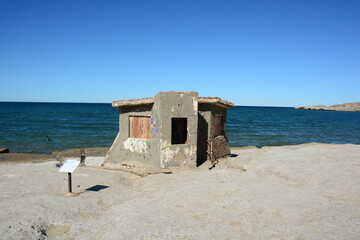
352,107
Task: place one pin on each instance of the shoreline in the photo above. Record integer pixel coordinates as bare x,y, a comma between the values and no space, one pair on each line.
101,152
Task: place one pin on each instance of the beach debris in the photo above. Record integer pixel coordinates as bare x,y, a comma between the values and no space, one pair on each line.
220,147
4,150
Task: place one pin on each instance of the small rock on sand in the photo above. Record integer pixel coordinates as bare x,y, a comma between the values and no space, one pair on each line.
4,150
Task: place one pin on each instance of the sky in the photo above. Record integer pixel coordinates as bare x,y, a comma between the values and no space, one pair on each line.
250,52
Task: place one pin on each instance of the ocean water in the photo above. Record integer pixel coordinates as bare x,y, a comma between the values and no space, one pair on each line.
25,127
276,126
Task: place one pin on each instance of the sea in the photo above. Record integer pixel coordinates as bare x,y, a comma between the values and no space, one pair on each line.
47,127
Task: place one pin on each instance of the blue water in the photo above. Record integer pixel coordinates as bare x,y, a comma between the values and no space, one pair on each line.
275,126
24,126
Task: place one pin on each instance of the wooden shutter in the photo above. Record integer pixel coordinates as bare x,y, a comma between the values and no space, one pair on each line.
140,127
219,125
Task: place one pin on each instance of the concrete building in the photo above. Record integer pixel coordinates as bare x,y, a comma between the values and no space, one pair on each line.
170,130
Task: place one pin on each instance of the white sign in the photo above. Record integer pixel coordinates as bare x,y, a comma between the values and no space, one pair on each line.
69,165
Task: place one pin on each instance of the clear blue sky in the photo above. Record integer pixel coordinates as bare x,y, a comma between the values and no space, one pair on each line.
251,52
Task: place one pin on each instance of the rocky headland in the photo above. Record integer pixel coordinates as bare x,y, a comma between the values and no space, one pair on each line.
351,107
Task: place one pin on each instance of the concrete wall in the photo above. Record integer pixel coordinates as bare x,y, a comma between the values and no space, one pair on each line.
125,149
209,112
159,151
204,125
170,105
206,130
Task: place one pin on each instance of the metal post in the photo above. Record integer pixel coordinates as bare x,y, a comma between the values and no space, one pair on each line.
69,178
82,156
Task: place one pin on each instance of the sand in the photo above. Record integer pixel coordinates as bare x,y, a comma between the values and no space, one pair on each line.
309,191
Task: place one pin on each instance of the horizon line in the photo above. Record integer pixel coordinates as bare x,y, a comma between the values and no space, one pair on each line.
1,101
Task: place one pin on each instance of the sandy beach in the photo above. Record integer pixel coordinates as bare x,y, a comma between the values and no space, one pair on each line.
309,191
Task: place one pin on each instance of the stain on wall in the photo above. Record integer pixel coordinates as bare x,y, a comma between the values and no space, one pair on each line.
137,145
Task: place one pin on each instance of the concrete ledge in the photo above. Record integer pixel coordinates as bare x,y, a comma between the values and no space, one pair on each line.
76,153
94,161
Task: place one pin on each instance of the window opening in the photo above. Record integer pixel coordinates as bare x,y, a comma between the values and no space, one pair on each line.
179,131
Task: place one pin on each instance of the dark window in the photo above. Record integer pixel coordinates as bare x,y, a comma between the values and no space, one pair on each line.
178,130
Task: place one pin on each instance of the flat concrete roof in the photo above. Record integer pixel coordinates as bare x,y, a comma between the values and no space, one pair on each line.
148,101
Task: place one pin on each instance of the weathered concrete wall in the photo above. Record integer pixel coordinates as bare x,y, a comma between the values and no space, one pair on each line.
204,120
125,148
206,129
170,105
167,111
214,110
156,134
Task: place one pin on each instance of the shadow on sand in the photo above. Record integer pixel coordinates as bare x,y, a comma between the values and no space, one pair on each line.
96,188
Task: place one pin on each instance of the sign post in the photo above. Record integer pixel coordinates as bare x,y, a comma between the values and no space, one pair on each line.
69,166
69,182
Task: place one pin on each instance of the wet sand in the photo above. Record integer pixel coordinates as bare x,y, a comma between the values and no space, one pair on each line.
309,191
